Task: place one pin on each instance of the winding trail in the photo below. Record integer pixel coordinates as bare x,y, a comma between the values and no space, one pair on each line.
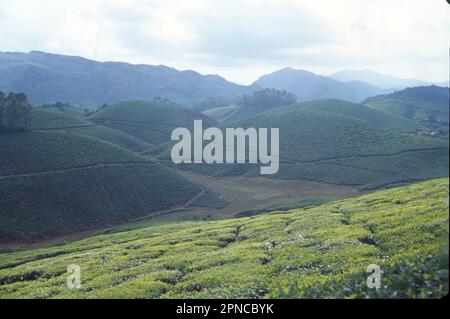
75,168
289,161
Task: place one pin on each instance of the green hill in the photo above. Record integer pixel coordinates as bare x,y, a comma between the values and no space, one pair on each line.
385,120
224,113
428,105
357,111
54,120
328,146
152,122
59,183
48,119
320,252
252,105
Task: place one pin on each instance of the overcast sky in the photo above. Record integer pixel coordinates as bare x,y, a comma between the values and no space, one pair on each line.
239,39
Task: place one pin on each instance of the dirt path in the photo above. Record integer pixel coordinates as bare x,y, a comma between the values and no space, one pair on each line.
321,160
76,168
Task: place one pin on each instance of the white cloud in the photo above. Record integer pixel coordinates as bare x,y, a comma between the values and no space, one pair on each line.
239,39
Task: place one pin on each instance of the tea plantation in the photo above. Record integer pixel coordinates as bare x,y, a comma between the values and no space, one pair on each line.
151,122
59,183
53,120
315,252
342,143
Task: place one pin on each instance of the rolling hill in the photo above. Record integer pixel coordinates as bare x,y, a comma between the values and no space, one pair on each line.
224,113
358,111
47,78
233,113
315,252
54,120
428,105
55,183
151,122
309,86
342,143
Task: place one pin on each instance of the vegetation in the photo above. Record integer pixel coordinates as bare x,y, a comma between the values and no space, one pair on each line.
59,183
428,105
342,143
252,105
222,114
308,86
339,107
43,151
209,199
211,102
268,98
51,119
88,83
14,112
314,252
152,122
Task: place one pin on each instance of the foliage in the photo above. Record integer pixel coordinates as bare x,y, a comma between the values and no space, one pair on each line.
317,252
341,143
50,119
211,102
209,199
57,183
427,105
268,98
15,112
89,84
152,122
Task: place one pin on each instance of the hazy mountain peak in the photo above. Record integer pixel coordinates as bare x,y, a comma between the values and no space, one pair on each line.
376,78
88,83
310,86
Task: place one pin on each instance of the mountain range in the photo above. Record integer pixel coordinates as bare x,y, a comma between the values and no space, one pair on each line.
48,78
381,80
309,86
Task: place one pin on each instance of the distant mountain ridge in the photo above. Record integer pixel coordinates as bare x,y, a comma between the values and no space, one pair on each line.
309,86
46,78
381,80
428,105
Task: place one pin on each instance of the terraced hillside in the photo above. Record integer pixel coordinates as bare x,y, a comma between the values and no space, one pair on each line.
54,120
342,143
428,105
383,120
152,122
315,252
55,183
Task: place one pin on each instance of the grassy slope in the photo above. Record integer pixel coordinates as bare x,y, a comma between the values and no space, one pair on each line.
384,120
152,122
58,183
316,252
341,149
222,114
53,120
426,105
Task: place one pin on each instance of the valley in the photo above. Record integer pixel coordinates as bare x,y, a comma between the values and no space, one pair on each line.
360,178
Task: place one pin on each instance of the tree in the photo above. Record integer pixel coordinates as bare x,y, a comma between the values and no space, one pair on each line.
15,112
268,98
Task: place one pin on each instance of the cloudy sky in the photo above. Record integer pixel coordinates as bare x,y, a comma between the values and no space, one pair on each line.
239,39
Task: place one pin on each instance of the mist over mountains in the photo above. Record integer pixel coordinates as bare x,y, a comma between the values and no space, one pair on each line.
378,79
309,86
47,78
